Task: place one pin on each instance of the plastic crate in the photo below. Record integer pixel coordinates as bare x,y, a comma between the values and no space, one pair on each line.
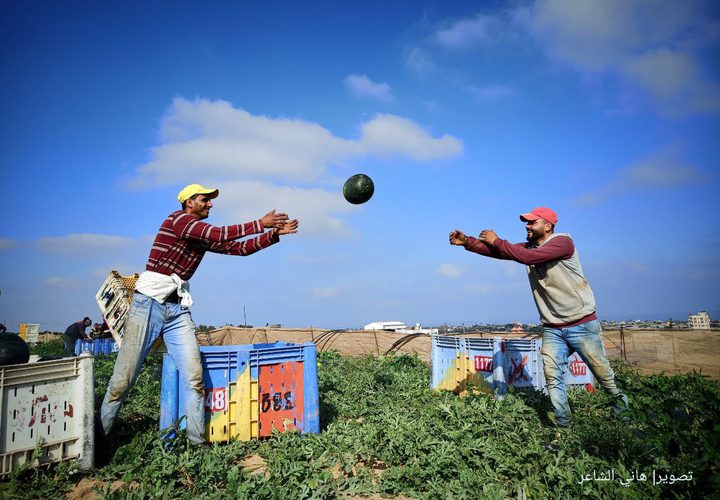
487,362
96,346
449,365
114,298
522,364
577,374
495,364
454,363
249,390
48,404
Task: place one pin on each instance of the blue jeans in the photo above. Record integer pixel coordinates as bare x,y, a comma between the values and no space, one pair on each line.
147,320
585,339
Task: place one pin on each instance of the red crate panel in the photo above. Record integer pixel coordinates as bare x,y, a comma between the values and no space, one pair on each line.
280,397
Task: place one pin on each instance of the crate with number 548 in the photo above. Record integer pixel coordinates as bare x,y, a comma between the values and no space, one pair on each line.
249,390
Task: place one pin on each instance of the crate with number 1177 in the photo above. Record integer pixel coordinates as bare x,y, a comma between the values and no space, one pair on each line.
249,391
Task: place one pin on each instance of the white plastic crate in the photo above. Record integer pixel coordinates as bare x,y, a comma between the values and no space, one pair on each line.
48,404
114,298
577,374
522,363
496,363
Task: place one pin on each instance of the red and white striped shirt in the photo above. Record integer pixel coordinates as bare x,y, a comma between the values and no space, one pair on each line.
182,241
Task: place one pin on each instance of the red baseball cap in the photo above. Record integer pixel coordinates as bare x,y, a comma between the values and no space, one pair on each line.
540,213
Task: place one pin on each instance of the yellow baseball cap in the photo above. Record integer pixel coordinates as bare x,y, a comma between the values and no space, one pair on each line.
192,189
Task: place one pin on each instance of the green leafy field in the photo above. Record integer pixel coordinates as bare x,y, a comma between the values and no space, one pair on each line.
385,433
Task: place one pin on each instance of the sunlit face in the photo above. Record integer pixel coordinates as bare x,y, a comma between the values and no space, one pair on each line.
537,230
199,206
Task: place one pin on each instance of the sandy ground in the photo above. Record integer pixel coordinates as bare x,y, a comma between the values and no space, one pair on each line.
649,351
92,489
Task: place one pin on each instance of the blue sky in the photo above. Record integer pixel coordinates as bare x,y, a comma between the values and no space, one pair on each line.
465,114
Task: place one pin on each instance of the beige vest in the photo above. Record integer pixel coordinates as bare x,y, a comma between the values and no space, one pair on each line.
561,292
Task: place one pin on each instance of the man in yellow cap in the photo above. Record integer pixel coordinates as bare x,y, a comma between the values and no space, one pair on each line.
161,302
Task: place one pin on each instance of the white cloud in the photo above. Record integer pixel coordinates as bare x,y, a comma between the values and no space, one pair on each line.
362,86
661,48
591,34
467,33
654,44
420,62
389,135
660,170
450,271
675,80
316,209
215,138
429,56
82,244
226,143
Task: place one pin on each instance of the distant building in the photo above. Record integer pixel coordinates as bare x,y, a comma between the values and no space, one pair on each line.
399,327
699,321
385,325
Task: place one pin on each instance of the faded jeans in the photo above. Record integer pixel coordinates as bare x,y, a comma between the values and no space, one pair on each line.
147,320
585,339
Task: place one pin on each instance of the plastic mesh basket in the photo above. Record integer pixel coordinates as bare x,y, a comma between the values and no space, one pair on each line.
114,299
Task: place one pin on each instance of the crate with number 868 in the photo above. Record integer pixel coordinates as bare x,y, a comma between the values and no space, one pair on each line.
249,390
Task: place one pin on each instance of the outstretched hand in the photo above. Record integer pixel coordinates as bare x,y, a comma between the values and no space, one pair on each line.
290,227
488,236
457,238
272,219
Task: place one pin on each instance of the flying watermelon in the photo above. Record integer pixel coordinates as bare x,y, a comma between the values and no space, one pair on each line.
358,189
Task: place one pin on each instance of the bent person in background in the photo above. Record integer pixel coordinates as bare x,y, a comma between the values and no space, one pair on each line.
74,332
563,298
161,302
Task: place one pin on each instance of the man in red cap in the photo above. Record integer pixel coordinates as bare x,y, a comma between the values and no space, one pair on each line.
161,302
563,298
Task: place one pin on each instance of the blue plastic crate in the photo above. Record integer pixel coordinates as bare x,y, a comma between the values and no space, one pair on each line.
250,390
95,346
